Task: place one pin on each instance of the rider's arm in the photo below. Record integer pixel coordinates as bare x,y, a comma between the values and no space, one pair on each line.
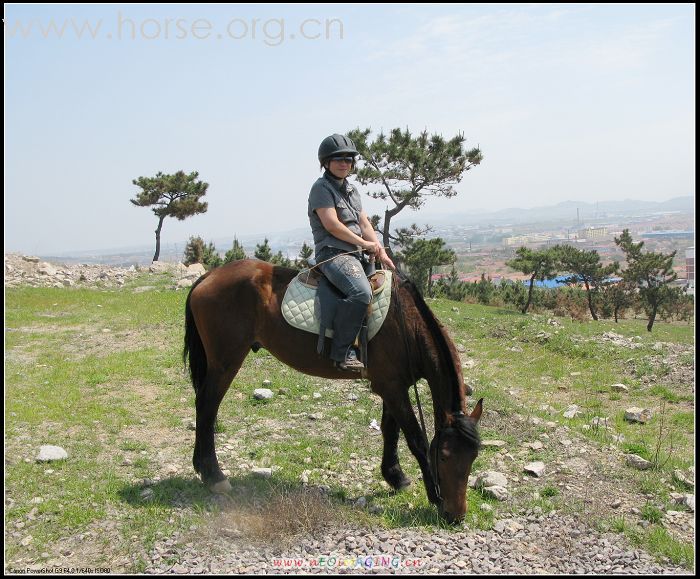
330,221
369,233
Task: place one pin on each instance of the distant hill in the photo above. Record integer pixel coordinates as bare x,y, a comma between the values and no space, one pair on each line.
566,210
290,241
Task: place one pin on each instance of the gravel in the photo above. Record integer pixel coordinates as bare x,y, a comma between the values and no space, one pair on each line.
535,544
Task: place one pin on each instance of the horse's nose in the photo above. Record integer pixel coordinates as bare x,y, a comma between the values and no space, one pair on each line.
451,518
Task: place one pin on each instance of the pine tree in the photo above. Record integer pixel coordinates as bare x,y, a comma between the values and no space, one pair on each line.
304,254
235,253
409,170
263,251
650,272
585,268
539,265
421,256
175,195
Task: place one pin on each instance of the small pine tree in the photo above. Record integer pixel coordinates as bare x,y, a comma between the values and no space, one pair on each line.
194,251
304,254
235,253
651,273
540,264
197,251
263,251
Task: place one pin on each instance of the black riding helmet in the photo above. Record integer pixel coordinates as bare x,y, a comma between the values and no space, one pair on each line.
335,145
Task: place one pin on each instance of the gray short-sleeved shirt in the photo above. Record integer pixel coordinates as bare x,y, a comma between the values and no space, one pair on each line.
326,192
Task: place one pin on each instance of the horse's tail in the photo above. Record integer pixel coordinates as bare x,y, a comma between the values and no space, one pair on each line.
193,346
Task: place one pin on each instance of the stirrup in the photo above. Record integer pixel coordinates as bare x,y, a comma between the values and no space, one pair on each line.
351,364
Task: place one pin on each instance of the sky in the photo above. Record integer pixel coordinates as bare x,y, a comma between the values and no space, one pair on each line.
567,102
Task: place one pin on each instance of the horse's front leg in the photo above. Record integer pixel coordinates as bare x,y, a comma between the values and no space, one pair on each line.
391,469
402,412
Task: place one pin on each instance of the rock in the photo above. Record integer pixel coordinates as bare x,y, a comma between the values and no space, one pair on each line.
619,388
536,468
262,472
23,270
490,478
636,461
640,415
195,270
497,492
681,477
46,269
361,502
686,500
48,453
572,411
262,394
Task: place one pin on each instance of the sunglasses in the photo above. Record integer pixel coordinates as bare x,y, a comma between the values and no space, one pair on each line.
343,159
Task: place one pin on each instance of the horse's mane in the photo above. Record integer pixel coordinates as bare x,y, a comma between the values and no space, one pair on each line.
438,334
466,427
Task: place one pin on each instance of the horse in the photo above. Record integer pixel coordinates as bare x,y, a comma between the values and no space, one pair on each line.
235,308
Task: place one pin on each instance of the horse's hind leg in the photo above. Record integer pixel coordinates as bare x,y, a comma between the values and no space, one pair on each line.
391,469
208,399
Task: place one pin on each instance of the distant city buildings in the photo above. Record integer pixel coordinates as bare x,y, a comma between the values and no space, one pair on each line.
526,239
593,233
671,234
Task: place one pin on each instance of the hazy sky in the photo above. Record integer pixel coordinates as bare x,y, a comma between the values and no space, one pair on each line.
567,102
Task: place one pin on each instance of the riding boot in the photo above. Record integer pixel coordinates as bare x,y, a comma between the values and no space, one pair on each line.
346,325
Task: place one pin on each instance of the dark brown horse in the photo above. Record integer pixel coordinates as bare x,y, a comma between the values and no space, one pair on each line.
236,308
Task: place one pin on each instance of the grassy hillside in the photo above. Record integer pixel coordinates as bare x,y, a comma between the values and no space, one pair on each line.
100,374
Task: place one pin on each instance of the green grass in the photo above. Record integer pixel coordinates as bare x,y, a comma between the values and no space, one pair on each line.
119,402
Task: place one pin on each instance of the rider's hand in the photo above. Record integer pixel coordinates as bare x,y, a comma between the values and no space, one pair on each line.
385,260
373,247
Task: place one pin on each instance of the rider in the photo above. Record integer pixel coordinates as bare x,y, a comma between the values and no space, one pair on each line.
341,232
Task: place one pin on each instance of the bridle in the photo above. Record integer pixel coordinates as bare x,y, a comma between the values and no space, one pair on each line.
433,449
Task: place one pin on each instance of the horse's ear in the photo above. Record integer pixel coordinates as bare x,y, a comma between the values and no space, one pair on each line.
478,409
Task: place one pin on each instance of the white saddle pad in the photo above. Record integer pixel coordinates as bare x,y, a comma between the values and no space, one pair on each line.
299,307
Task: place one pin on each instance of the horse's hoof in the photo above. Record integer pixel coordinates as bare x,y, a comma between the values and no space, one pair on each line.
403,483
399,482
222,487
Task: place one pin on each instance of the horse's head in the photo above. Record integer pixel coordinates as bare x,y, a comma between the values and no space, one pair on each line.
452,453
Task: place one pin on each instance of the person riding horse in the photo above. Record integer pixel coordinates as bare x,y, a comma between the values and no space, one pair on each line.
341,231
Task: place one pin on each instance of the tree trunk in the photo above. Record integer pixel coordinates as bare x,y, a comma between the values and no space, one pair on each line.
529,294
385,234
430,282
160,226
617,308
652,317
590,302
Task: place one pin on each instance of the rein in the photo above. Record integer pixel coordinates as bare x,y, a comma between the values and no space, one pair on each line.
332,258
433,460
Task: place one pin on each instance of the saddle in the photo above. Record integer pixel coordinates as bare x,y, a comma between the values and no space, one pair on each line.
310,303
